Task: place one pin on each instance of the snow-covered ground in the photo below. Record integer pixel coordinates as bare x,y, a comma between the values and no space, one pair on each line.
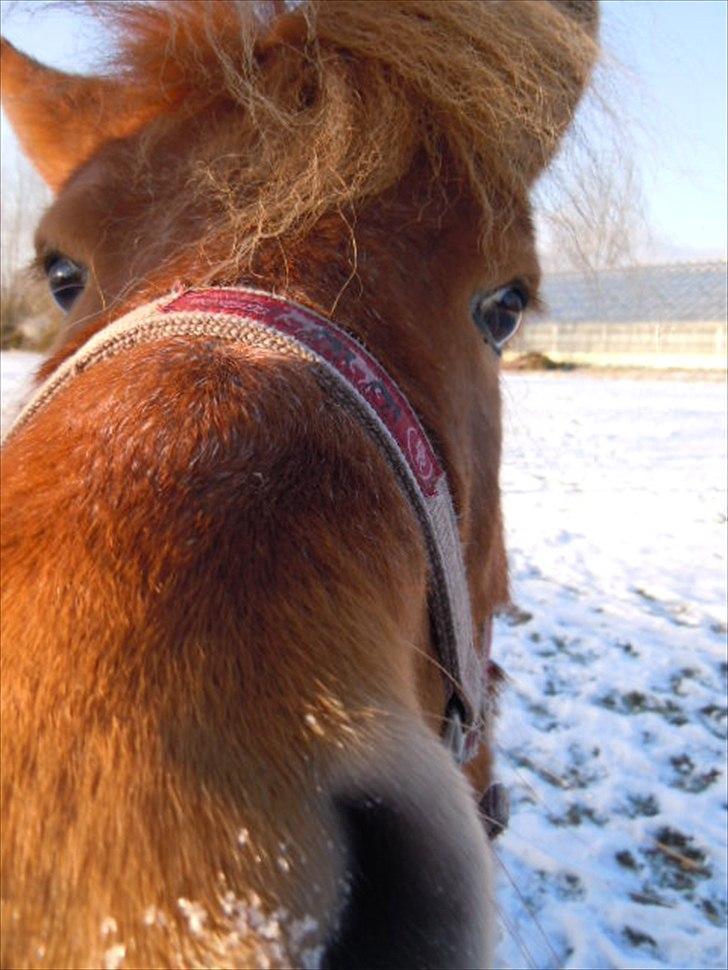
16,367
612,732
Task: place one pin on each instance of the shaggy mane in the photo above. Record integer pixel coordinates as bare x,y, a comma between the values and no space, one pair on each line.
343,96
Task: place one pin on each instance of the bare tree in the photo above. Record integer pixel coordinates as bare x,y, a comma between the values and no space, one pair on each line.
595,218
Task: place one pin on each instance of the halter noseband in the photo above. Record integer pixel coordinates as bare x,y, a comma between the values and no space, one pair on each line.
360,384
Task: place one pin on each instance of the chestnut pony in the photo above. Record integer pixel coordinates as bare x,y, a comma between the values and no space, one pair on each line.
222,702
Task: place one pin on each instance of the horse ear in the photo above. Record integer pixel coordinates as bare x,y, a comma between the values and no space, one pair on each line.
61,119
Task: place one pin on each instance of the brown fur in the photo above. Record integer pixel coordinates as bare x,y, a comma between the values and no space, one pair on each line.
214,595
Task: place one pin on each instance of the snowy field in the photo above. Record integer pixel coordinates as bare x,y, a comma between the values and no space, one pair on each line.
612,733
16,366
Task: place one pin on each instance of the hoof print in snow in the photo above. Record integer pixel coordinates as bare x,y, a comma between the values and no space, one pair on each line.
687,777
641,806
635,702
715,719
675,861
625,858
576,814
639,939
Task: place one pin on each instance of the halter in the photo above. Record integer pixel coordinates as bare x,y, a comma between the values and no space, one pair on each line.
356,381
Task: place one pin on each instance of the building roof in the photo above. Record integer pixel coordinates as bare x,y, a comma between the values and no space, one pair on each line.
678,292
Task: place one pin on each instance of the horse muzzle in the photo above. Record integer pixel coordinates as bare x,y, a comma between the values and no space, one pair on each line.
418,872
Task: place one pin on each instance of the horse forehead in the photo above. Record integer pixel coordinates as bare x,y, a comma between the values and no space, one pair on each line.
76,220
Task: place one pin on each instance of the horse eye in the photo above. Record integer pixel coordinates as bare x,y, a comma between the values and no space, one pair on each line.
66,280
498,314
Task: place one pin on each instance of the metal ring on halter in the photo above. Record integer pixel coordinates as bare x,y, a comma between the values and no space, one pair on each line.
454,732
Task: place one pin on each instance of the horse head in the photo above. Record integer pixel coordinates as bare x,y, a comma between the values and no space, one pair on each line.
224,699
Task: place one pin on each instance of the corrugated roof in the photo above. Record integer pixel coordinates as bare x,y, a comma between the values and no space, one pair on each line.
671,293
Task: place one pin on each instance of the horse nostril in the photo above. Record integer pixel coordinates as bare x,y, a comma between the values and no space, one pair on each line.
409,902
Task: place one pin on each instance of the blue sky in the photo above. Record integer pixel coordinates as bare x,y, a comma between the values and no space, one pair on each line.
666,64
674,57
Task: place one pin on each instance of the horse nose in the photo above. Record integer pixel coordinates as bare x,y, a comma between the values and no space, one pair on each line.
418,886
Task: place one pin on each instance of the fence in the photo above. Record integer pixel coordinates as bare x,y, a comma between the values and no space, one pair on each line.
693,345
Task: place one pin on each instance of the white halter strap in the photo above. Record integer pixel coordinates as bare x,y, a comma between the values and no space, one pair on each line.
358,382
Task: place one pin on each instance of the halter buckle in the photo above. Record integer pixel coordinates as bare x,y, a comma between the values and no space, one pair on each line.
454,733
